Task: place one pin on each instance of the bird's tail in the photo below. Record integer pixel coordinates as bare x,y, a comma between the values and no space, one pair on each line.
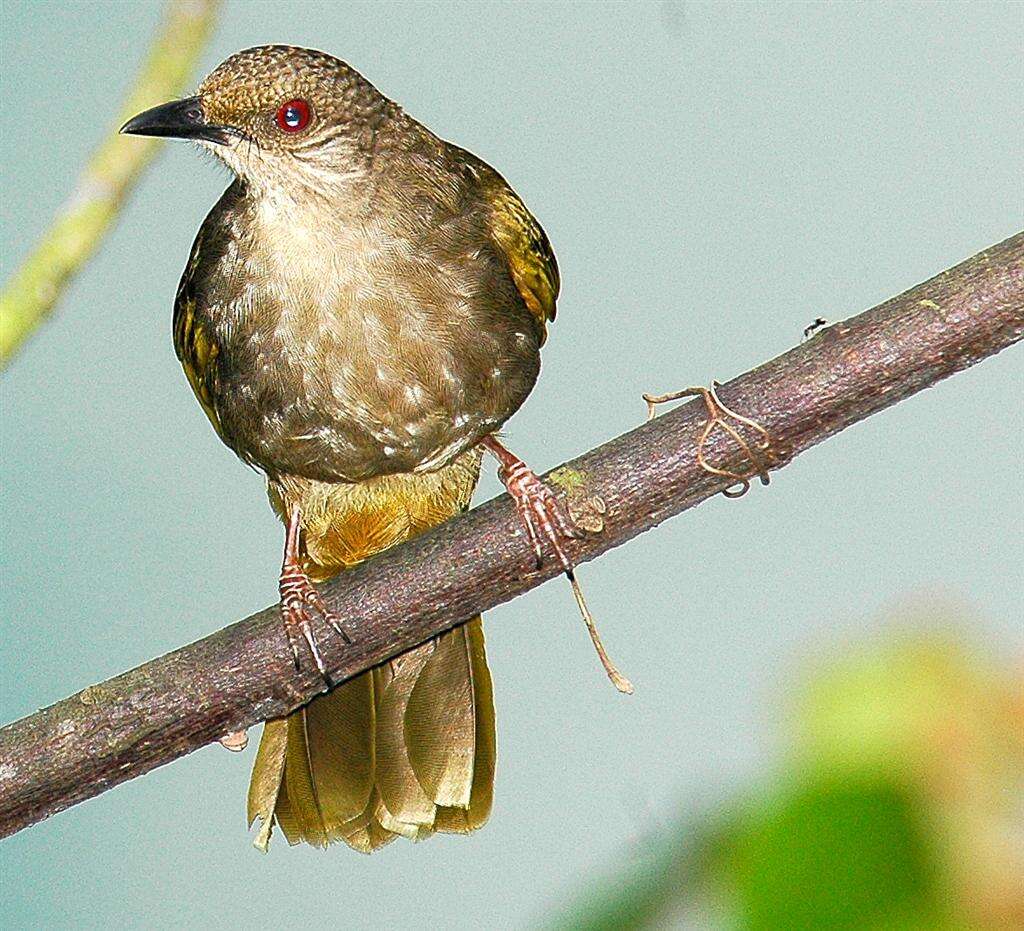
408,748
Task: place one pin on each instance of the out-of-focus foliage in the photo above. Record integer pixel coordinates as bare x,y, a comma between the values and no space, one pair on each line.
899,803
30,296
834,853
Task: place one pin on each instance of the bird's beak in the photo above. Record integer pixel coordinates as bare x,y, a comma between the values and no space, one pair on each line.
181,119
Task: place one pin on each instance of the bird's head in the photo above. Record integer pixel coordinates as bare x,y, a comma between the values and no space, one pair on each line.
278,116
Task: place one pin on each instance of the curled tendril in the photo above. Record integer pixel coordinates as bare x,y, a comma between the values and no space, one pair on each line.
719,416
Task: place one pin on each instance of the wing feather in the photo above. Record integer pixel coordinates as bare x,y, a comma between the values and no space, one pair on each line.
531,260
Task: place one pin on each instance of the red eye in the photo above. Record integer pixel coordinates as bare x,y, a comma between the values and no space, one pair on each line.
293,116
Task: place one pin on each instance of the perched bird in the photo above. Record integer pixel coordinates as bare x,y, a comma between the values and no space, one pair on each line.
362,310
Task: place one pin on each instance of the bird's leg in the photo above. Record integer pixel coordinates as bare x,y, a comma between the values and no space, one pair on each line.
300,601
545,519
540,510
718,415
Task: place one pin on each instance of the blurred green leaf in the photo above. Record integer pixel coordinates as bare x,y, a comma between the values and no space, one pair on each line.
893,809
834,854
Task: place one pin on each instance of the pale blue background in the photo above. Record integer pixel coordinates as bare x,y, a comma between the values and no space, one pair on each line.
713,177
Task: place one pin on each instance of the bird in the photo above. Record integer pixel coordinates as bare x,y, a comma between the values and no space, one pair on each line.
361,312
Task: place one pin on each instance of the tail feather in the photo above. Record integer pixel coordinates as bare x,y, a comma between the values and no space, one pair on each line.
405,749
440,722
365,833
464,820
286,820
340,738
266,787
406,807
482,796
301,782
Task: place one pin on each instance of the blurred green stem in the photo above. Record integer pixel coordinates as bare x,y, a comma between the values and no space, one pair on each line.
77,230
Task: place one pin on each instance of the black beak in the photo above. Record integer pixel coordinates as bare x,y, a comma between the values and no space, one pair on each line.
181,119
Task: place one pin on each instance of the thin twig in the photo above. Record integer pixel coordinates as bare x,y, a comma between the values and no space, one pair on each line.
617,678
33,291
243,674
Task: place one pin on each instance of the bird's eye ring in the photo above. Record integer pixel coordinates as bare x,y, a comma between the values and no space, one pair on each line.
293,116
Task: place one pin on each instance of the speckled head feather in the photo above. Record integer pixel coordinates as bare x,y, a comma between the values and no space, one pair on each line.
246,92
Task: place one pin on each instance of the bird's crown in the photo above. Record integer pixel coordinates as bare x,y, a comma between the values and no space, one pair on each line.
284,96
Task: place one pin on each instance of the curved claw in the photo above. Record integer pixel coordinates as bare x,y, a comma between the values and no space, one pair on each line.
300,604
540,509
307,632
316,601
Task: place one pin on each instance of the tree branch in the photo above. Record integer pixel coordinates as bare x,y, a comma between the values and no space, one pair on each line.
79,227
243,674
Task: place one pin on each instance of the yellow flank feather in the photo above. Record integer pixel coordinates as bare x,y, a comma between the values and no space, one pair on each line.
408,748
197,353
195,349
528,252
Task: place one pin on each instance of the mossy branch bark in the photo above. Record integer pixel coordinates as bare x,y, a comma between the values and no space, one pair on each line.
243,674
33,291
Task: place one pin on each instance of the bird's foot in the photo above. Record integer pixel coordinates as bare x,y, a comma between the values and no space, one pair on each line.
545,518
540,510
301,603
723,418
